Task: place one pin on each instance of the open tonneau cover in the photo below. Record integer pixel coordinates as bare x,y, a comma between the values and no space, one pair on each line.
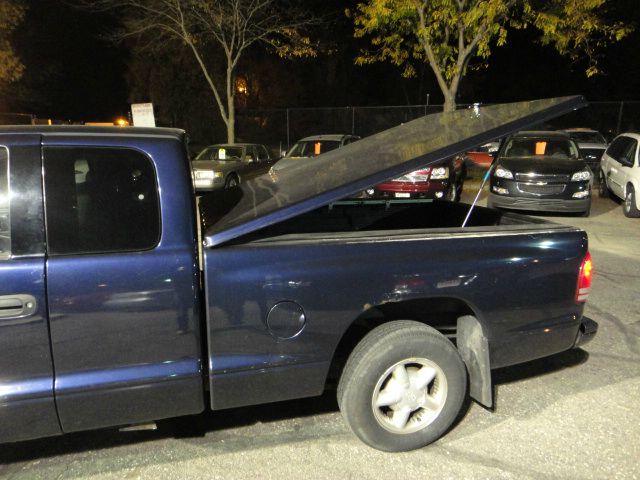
311,184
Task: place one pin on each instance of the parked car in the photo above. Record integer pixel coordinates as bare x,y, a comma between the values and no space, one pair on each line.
224,165
483,155
591,144
443,180
313,146
541,171
619,173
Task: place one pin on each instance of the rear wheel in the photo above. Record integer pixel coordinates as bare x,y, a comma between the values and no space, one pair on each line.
402,387
629,206
603,189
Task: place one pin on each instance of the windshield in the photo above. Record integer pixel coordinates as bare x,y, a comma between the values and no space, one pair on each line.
313,148
588,137
541,147
220,153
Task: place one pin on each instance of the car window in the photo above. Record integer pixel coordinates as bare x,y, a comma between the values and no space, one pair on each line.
5,219
629,154
588,137
220,153
313,148
541,147
618,147
263,155
100,200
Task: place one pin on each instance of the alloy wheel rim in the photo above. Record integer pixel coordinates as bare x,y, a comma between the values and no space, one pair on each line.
409,395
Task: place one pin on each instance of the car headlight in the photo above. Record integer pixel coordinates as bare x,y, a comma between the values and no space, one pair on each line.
204,174
207,174
440,173
581,176
503,173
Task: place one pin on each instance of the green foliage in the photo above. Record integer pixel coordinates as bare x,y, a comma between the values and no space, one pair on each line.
577,28
449,34
11,14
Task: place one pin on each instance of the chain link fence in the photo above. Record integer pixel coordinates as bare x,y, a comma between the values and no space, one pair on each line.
281,128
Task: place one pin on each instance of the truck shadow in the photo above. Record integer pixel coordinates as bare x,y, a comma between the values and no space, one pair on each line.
219,426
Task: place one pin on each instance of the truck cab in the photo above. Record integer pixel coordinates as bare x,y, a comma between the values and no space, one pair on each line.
91,286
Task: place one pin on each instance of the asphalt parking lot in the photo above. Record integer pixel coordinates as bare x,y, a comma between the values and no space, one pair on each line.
574,415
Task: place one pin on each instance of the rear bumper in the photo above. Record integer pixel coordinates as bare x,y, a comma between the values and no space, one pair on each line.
539,204
548,339
431,189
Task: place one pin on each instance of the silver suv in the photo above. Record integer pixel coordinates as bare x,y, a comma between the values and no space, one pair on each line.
620,173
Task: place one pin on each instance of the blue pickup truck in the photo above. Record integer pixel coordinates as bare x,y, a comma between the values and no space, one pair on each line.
124,301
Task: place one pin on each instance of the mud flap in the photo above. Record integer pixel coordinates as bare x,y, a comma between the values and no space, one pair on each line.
474,350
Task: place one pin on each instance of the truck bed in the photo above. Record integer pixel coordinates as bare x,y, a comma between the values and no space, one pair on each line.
350,264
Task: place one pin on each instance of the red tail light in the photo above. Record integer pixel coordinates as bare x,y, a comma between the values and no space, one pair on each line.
584,279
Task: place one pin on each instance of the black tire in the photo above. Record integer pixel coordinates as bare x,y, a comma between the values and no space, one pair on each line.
232,181
367,377
629,206
453,193
603,189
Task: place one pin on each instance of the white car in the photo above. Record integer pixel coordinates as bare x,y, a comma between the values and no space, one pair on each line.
313,146
620,173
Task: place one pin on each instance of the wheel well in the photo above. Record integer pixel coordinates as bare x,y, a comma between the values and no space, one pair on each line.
440,313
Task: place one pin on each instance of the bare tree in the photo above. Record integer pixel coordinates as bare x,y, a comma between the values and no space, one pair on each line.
230,25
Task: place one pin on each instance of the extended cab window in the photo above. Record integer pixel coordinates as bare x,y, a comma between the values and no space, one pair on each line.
100,200
5,220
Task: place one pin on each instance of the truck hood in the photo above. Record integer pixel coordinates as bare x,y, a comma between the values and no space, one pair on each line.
542,166
307,185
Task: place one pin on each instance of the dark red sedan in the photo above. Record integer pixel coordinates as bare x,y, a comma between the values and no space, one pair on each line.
440,181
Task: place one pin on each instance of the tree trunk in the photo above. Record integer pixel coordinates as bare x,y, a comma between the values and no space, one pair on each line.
449,101
231,107
231,123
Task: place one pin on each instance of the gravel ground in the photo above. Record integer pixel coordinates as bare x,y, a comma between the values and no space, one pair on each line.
571,416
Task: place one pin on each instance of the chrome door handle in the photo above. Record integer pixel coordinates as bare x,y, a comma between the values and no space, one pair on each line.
17,305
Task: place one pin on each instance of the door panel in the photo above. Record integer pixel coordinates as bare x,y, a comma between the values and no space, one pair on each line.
27,408
122,299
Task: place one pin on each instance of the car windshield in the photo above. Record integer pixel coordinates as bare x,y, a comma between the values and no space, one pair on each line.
220,153
541,147
313,148
588,137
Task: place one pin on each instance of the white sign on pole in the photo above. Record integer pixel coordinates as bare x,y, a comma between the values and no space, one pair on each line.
142,115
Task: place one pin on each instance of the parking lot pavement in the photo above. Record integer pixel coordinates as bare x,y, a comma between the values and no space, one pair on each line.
574,415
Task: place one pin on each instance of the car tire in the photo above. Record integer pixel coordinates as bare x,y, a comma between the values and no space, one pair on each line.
402,387
452,193
587,212
232,181
629,206
603,189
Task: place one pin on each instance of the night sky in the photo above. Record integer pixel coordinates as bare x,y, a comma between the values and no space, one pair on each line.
73,73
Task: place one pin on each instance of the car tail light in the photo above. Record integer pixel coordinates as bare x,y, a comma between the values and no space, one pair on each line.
584,279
